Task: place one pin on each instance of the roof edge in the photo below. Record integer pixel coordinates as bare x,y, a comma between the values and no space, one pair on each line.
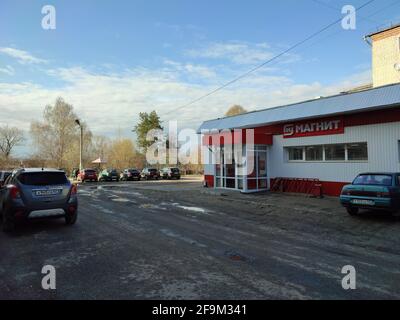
383,30
305,101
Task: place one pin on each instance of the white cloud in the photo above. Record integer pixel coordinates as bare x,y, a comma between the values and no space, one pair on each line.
109,102
191,69
8,70
23,57
238,52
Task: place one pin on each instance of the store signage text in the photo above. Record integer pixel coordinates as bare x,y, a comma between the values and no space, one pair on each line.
318,128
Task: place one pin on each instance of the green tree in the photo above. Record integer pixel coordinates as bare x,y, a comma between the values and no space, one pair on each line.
147,122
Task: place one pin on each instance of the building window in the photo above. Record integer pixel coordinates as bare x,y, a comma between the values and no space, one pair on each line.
336,152
357,152
296,154
314,153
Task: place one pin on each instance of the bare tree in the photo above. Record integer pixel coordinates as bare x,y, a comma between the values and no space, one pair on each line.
122,154
57,135
10,137
235,110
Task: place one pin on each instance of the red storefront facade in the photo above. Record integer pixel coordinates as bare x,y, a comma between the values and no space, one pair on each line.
331,149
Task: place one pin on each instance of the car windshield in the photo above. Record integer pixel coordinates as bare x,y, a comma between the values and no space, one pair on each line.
153,170
43,178
90,171
174,170
374,180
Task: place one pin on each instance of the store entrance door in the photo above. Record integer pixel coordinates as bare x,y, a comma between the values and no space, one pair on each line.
257,180
226,171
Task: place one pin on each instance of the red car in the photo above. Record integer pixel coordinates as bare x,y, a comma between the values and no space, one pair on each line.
87,175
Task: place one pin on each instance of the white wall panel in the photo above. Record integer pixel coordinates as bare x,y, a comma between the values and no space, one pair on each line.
383,154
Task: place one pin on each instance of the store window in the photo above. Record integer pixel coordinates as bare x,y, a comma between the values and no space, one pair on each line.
357,152
314,153
295,154
336,152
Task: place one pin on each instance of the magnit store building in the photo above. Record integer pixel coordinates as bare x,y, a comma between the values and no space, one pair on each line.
330,140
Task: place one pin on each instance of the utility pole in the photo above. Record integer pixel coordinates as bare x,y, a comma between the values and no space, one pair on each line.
77,121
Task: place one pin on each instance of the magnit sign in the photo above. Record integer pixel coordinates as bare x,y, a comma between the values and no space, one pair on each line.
314,128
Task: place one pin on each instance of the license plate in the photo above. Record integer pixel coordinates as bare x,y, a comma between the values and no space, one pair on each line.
363,202
47,193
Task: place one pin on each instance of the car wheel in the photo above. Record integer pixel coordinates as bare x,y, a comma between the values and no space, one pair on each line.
352,211
71,220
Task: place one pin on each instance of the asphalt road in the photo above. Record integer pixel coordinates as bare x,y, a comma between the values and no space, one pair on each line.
176,240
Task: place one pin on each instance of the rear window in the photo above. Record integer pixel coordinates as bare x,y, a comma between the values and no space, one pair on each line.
174,169
90,171
43,178
374,180
153,170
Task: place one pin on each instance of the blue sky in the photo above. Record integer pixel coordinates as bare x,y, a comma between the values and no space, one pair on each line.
114,59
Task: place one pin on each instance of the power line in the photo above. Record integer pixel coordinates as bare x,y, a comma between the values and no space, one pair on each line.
266,62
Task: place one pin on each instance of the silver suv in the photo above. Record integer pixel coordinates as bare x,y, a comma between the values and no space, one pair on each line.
37,193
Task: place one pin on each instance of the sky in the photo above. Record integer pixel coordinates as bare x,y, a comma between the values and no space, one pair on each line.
114,59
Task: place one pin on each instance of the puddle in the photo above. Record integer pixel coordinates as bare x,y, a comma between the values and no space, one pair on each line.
151,206
193,209
123,200
130,193
101,209
172,234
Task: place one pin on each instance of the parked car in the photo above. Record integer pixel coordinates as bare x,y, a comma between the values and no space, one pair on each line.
150,174
380,191
3,176
130,175
109,175
37,193
87,175
171,173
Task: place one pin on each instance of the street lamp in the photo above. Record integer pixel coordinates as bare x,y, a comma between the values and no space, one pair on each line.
81,144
